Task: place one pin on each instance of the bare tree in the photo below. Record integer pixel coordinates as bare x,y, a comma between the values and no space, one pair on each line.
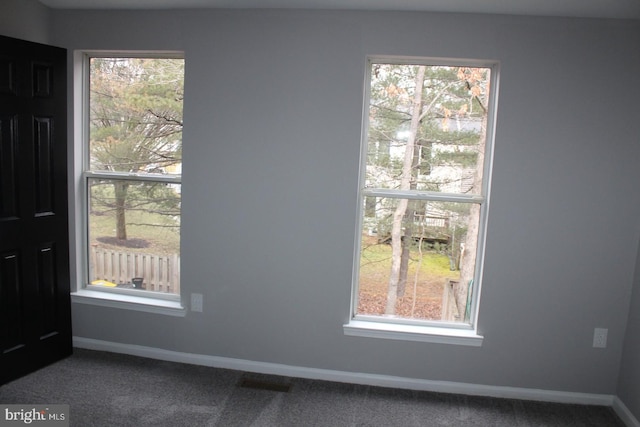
406,178
478,85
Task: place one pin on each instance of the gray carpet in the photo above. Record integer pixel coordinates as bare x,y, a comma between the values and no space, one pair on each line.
106,389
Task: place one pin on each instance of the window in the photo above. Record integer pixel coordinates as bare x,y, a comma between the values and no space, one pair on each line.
427,143
132,173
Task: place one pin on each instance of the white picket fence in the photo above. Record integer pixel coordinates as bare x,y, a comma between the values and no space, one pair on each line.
159,273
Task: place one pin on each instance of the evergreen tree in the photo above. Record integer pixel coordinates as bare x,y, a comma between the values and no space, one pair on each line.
135,128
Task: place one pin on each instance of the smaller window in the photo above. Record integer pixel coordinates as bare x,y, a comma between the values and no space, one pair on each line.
423,195
132,174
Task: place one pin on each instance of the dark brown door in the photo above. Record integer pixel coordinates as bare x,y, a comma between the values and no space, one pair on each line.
35,309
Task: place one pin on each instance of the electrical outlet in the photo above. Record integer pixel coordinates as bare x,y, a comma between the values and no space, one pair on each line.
600,337
196,302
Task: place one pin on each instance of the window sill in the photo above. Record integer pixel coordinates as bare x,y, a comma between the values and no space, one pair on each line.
394,331
129,302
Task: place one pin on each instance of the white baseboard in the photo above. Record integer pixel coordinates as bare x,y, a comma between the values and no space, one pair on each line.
356,377
624,413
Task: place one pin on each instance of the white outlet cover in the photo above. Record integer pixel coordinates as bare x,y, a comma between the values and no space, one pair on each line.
196,302
600,337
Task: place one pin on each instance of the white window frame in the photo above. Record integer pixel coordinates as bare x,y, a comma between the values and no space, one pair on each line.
414,329
85,293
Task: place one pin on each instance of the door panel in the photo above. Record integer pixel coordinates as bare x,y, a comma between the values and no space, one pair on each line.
8,191
43,147
13,337
35,309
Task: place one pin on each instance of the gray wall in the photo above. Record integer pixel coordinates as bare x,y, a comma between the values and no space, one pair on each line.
272,131
629,381
25,19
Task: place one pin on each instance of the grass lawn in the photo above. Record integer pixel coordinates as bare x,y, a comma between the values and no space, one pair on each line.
158,240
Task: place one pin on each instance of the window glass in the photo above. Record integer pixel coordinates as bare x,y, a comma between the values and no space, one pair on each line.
423,195
136,115
431,254
440,125
133,173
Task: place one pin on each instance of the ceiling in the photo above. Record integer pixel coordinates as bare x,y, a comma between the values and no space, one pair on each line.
616,9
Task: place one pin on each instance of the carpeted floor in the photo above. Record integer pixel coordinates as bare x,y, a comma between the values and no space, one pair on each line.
106,389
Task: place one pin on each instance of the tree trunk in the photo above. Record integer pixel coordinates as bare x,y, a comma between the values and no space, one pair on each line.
407,240
468,257
120,188
405,184
405,256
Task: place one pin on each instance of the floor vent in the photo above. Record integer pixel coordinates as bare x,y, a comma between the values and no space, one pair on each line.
264,385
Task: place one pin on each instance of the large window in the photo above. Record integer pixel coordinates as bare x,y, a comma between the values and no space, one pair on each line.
424,191
132,167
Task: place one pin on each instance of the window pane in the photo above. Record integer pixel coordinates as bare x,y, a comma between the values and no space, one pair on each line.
134,233
432,251
427,128
136,114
